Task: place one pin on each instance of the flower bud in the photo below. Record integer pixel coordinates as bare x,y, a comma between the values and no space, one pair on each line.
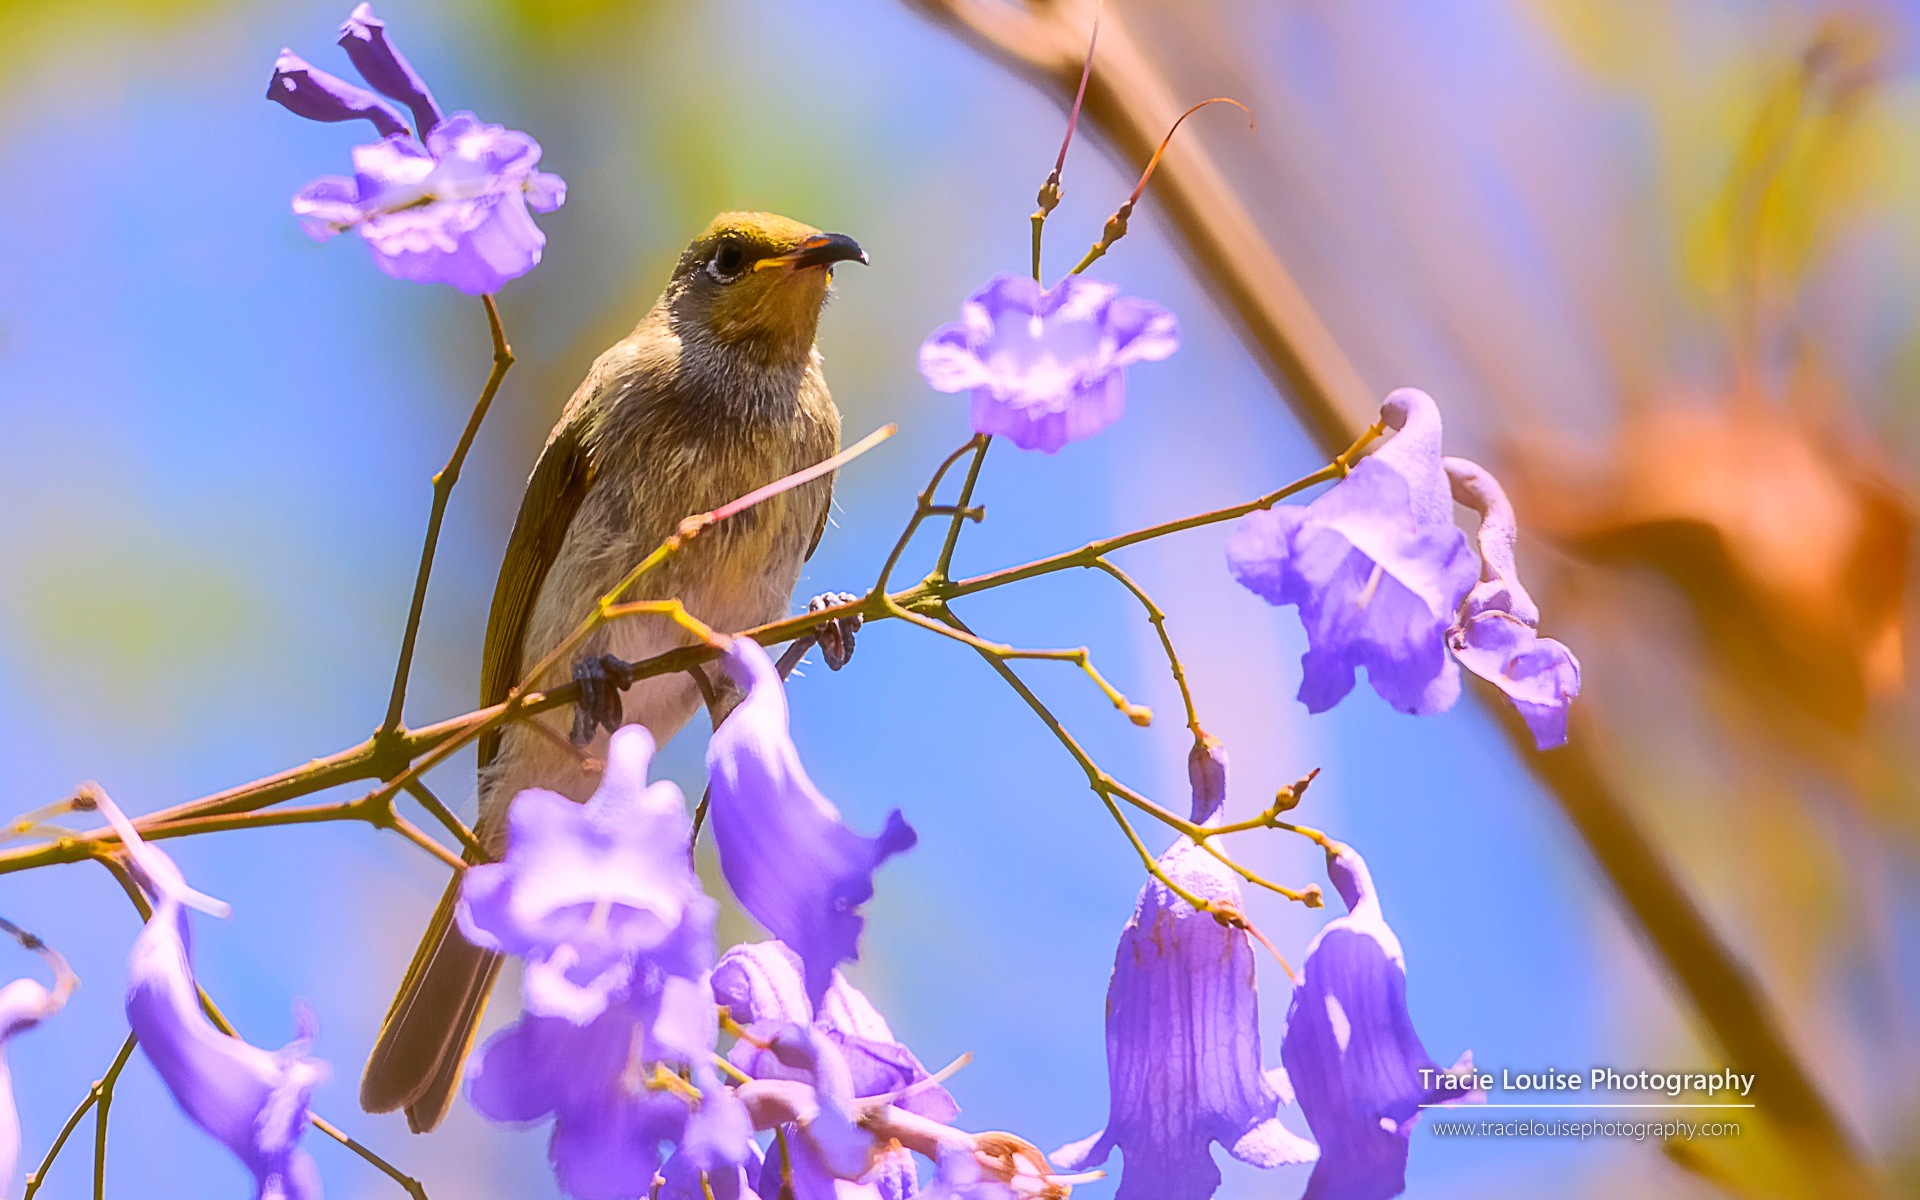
306,91
1207,772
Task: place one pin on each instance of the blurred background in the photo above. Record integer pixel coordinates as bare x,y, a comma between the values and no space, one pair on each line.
1659,262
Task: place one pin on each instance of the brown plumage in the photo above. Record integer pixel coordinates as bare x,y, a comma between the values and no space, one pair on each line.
717,391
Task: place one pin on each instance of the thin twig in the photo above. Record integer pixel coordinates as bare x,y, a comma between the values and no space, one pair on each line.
429,745
1103,784
443,484
924,508
100,1088
409,1183
1079,656
944,564
1158,619
441,813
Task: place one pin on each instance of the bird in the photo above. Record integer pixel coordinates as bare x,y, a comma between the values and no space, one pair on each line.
718,390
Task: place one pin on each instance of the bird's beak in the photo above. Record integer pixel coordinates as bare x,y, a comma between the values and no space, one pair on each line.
820,250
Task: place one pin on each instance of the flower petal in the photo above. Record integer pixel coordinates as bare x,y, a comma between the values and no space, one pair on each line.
1350,1048
306,91
1046,368
1376,579
790,860
364,38
949,363
1183,1045
1540,675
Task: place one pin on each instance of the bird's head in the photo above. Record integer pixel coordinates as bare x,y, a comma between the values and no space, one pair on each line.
754,282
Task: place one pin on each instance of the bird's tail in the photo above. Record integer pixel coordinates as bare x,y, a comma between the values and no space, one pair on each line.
425,1038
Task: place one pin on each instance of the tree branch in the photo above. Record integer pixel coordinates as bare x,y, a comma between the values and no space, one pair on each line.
1130,104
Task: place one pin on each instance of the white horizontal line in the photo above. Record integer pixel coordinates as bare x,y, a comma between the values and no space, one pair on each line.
1467,1106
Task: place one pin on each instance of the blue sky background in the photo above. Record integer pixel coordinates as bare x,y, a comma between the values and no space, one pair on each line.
215,442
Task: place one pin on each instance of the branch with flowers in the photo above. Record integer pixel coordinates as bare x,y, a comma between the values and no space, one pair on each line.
625,994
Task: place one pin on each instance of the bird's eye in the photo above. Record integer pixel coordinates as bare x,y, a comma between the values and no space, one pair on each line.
729,260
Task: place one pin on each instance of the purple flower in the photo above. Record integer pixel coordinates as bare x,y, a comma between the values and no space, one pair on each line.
827,1155
589,894
1495,637
717,1158
601,900
786,854
448,203
1350,1048
613,1087
25,1003
1376,566
252,1101
1046,367
1183,1046
760,986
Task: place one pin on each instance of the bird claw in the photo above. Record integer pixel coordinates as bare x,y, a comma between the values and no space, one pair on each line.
601,680
835,638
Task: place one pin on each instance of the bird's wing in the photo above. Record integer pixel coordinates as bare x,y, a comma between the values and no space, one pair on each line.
554,491
820,527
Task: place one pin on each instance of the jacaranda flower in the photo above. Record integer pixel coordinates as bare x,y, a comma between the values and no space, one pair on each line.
1046,367
824,1148
786,854
25,1003
761,987
591,893
1496,635
614,1087
253,1101
445,203
601,900
1376,565
1183,1046
717,1158
1350,1048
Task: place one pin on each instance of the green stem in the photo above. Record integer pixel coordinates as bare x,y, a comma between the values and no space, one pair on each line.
441,813
1158,619
945,562
407,1182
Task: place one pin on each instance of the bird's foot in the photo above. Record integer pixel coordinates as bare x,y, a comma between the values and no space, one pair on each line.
601,681
835,638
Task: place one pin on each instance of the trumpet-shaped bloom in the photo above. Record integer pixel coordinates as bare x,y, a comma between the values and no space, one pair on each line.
1376,566
1496,635
828,1156
786,854
612,1087
761,987
717,1158
589,894
450,202
1046,367
1351,1050
601,900
1183,1046
253,1101
25,1003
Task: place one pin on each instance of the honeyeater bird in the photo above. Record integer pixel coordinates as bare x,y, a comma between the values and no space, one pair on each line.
716,392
